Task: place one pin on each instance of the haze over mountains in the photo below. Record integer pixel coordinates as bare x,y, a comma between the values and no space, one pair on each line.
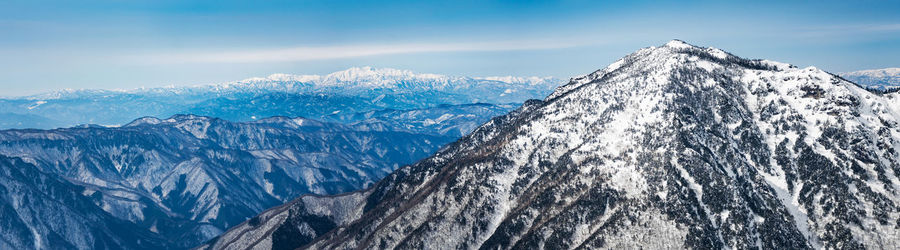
888,78
351,91
672,146
180,180
675,146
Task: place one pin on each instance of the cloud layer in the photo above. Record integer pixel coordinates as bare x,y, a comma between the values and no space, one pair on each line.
294,54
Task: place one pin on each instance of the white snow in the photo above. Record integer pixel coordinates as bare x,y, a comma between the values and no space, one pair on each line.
678,44
36,104
608,123
717,53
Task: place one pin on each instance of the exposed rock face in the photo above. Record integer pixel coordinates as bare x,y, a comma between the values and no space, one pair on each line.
672,146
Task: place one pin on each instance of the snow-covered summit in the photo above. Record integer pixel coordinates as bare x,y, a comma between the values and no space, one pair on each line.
348,75
675,146
670,56
366,77
358,73
353,90
372,77
678,44
281,77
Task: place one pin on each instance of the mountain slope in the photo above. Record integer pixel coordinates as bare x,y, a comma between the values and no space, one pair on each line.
190,177
674,146
41,211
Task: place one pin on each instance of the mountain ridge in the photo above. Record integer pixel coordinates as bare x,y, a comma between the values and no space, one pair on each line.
371,76
674,146
189,177
883,79
67,218
317,97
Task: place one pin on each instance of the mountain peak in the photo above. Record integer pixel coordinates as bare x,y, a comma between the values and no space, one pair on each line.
676,55
371,71
676,146
289,78
368,77
368,72
675,43
354,74
146,120
374,77
364,77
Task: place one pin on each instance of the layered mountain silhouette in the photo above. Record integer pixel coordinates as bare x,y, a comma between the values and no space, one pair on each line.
355,90
187,178
881,79
676,146
41,211
182,180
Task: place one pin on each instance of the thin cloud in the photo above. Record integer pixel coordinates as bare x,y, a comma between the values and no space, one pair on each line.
884,27
843,30
346,51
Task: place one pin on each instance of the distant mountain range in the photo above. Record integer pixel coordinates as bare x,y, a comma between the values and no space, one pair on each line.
179,181
888,78
671,147
350,91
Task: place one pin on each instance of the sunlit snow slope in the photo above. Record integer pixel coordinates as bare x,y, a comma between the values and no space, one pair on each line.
672,146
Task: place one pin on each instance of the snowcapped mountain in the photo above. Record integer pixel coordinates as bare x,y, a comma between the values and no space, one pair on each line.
188,178
888,78
369,78
350,91
670,147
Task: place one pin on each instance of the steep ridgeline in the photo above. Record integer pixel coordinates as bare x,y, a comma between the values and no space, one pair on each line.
883,79
673,146
345,92
41,211
189,178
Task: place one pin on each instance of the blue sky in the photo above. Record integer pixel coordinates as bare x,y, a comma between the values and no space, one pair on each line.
48,45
